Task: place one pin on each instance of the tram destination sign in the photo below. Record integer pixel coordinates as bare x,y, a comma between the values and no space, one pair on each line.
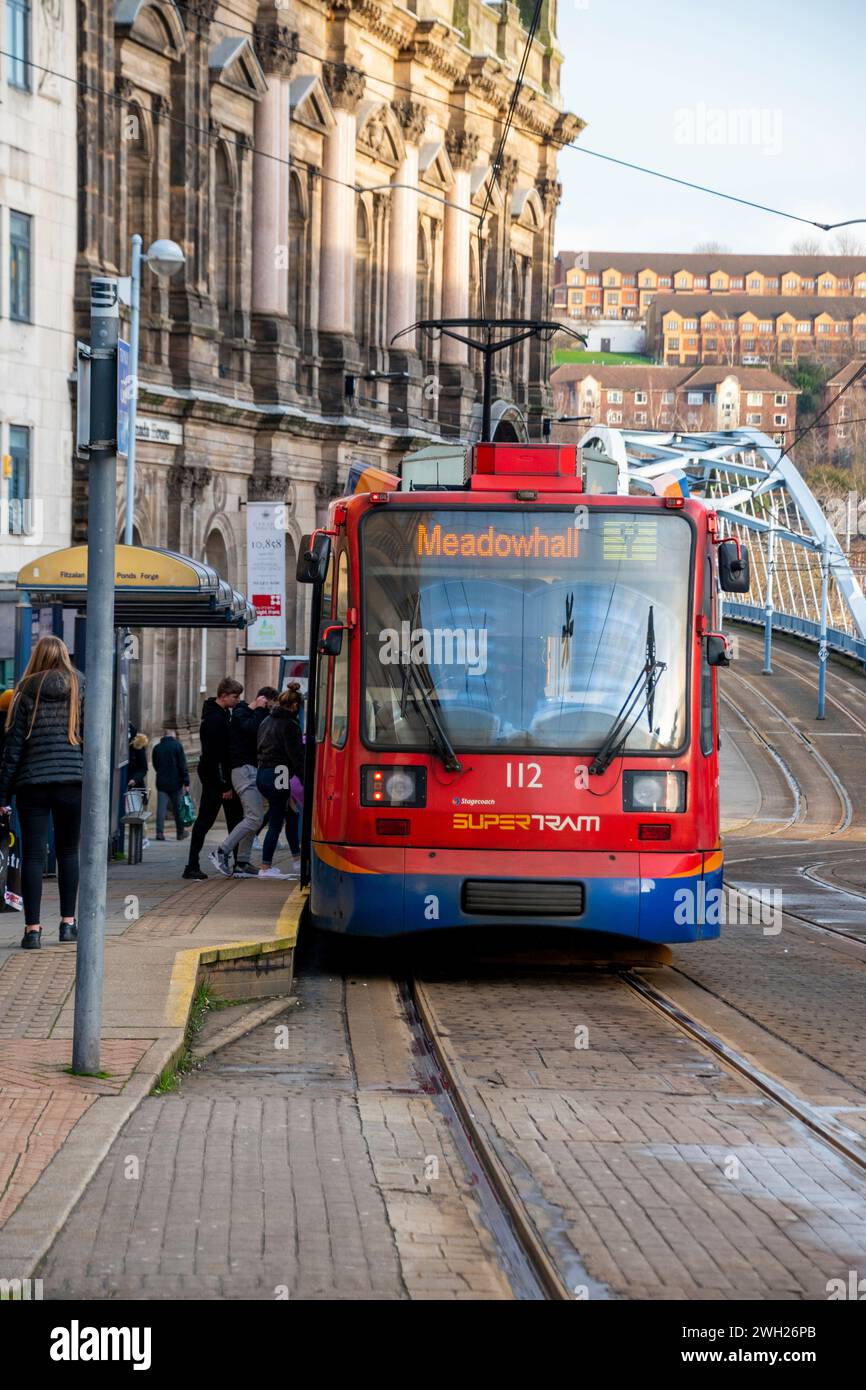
495,543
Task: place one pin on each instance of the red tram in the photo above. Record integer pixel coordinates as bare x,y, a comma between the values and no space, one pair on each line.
512,713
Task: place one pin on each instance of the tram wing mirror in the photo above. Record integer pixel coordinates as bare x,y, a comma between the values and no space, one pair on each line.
313,557
331,639
734,577
718,649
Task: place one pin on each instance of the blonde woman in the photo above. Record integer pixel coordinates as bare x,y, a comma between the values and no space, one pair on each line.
42,767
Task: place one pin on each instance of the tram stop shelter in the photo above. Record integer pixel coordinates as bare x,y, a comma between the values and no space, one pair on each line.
152,588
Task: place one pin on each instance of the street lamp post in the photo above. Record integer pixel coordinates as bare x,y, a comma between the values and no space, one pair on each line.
165,258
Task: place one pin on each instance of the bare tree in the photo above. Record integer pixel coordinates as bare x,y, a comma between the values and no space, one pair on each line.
711,248
847,243
806,246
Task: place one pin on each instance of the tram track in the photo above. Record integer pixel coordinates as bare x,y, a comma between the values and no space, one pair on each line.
518,1163
844,1141
444,1076
846,813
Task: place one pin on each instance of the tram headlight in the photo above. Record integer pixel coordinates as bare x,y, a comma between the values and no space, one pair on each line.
654,791
393,786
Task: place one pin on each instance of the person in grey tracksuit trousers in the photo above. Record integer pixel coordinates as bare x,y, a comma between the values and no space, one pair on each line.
243,760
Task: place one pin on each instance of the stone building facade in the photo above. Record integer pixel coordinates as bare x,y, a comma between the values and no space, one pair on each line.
37,260
324,168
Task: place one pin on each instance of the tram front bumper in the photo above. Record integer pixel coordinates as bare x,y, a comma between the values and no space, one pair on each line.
389,890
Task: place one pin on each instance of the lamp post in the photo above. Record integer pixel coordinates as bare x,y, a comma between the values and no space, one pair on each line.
165,258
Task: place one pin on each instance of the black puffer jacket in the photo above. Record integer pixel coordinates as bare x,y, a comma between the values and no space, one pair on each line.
46,756
214,767
281,743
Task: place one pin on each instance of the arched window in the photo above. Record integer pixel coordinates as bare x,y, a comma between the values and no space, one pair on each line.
138,185
217,643
423,278
363,256
297,255
224,243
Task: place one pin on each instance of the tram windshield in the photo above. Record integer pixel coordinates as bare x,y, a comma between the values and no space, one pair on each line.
523,630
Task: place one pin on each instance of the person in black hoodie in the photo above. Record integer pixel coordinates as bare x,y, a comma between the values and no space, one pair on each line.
214,770
43,765
172,774
243,756
281,757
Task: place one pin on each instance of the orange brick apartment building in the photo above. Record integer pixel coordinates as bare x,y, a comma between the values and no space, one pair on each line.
675,398
623,284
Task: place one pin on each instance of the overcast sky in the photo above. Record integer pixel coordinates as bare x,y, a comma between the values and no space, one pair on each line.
765,99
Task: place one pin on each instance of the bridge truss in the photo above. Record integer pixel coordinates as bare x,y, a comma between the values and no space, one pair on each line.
802,581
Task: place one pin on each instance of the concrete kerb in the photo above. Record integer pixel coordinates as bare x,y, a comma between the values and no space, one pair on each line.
29,1232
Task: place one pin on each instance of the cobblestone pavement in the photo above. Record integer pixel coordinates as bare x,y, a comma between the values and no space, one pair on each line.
302,1161
639,1156
40,1103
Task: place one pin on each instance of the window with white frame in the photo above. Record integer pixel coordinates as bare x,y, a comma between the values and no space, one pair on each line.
640,417
780,419
614,417
689,325
668,398
614,397
804,328
640,398
665,417
755,398
754,418
778,439
696,398
823,327
754,284
781,398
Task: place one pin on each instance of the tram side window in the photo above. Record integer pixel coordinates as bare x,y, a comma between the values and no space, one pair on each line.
324,669
340,687
706,669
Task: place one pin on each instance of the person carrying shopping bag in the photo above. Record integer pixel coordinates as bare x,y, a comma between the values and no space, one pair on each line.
281,762
172,778
43,765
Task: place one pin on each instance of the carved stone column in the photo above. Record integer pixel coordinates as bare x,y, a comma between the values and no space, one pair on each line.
277,55
345,89
403,259
337,347
274,365
194,347
460,226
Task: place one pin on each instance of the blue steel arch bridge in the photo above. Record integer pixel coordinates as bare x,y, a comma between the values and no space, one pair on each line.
802,581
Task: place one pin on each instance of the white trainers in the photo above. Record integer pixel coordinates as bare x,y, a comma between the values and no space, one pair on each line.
271,873
296,866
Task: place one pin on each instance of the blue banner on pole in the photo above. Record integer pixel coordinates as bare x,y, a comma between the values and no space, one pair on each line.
124,396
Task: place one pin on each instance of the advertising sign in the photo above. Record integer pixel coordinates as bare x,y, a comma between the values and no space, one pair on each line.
266,577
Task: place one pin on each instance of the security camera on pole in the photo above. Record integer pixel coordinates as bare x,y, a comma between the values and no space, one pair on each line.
165,258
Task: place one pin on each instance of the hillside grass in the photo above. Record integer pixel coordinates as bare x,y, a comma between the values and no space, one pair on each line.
561,356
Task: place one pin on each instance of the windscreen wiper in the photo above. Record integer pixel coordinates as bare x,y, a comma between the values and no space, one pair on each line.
436,731
641,697
432,721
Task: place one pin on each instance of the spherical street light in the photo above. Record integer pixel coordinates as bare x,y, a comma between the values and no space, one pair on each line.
164,257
